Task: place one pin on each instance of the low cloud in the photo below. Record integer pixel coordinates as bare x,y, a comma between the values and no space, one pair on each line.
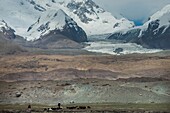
137,10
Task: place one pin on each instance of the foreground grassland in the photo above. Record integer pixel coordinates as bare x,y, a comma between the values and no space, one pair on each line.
96,107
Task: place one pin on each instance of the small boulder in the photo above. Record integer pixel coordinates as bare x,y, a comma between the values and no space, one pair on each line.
18,94
118,50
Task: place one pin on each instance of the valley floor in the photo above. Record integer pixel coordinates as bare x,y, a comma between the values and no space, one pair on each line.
105,80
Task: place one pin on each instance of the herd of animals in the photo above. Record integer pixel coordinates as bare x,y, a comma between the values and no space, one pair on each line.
60,108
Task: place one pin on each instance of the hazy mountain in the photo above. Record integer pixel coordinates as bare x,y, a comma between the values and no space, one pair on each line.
153,34
6,35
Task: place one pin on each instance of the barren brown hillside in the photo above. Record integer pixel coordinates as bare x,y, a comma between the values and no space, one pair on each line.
122,66
49,79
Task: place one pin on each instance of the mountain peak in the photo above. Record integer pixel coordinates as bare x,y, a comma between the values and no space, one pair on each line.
7,31
4,26
158,20
49,21
162,12
153,34
26,17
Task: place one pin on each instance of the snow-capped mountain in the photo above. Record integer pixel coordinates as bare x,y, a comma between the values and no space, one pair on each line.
7,31
58,21
158,20
93,19
155,33
6,35
33,19
3,26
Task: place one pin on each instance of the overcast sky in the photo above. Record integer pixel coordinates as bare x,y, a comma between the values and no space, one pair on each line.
136,10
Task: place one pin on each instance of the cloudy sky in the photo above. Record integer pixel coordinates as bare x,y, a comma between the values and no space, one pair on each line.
136,10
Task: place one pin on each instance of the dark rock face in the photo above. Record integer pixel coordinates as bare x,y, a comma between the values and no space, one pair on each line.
55,40
69,37
77,34
37,6
127,37
72,30
8,32
153,37
69,30
118,50
80,9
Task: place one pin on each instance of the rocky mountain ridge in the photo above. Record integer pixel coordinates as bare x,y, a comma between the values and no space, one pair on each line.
32,19
153,34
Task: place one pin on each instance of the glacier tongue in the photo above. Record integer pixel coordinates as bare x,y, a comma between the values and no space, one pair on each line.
109,47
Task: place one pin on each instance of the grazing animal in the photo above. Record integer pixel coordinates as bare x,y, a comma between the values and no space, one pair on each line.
78,107
29,106
49,109
45,109
72,107
72,102
81,107
53,109
29,109
88,107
